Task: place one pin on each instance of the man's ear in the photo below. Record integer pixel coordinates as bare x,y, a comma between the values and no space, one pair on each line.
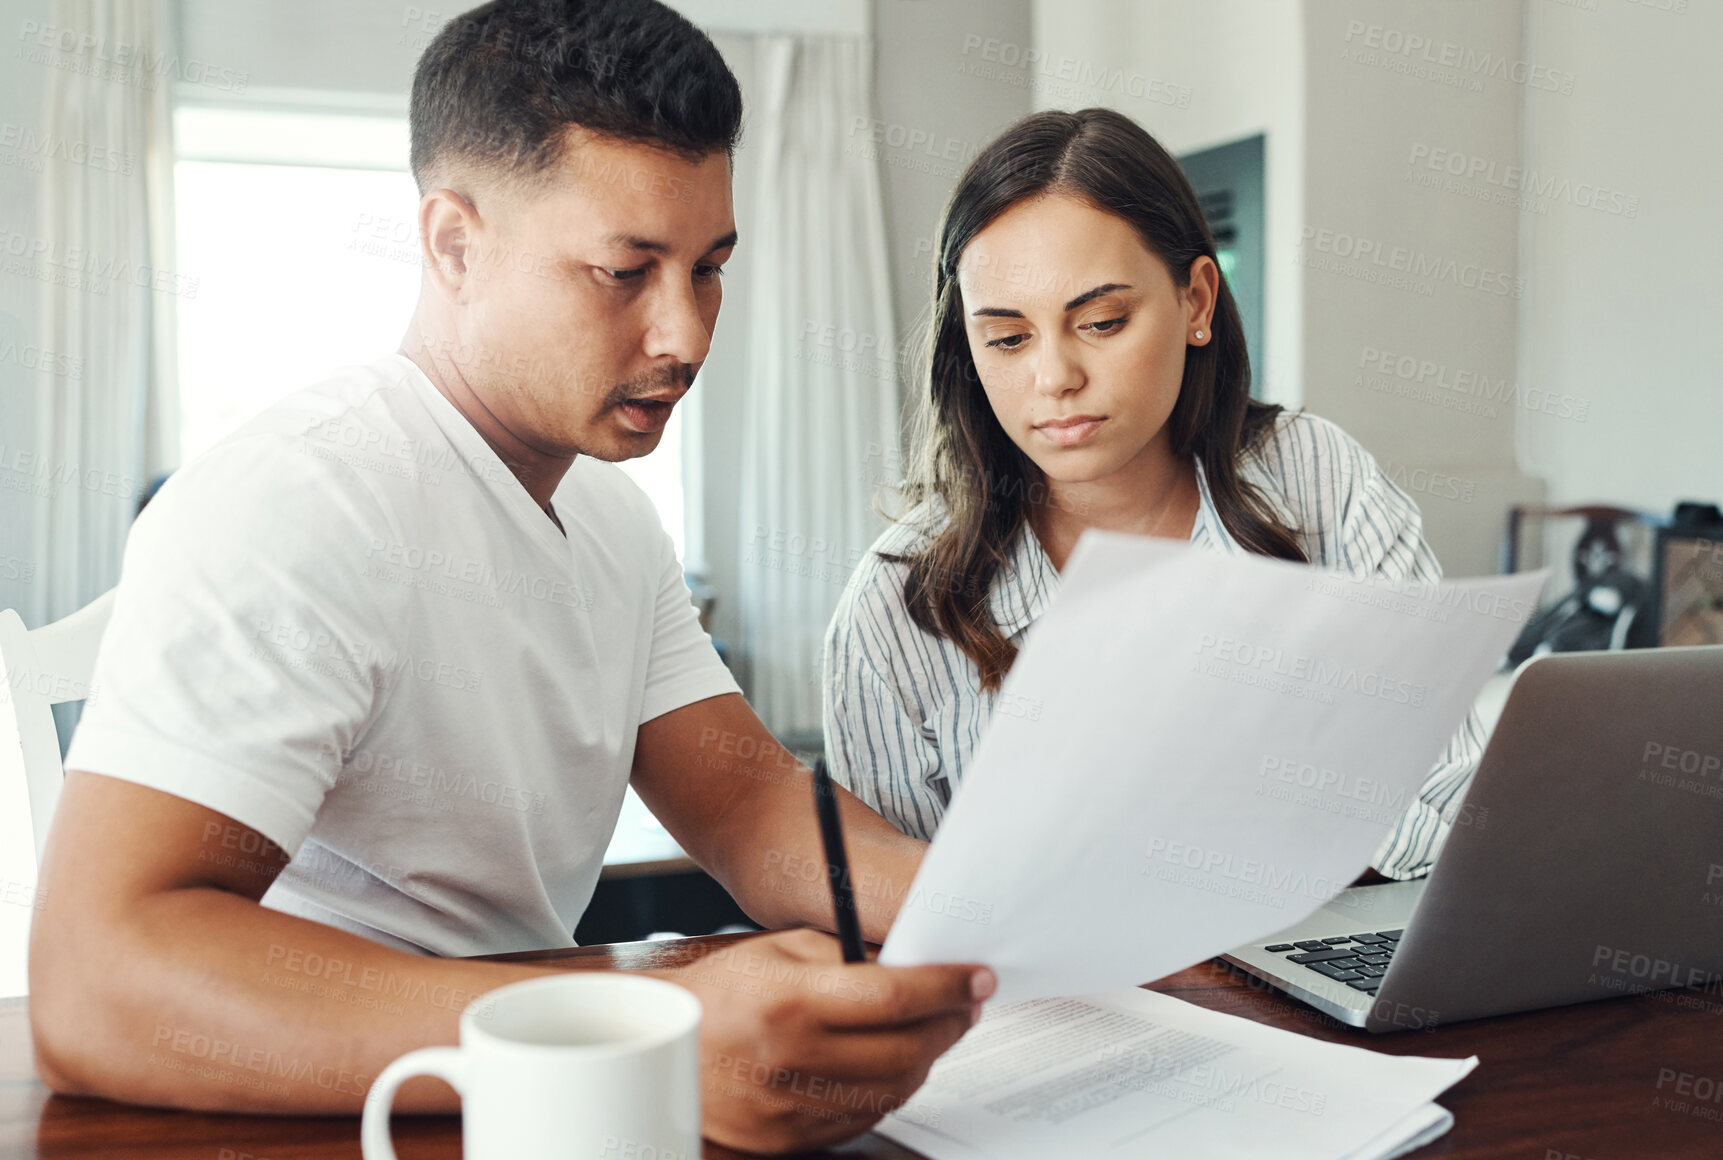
448,230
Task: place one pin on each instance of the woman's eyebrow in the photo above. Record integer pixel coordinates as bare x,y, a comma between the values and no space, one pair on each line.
1089,295
1085,296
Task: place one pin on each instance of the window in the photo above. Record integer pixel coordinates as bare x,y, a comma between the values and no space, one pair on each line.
291,285
302,231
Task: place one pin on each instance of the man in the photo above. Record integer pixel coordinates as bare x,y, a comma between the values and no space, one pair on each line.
382,662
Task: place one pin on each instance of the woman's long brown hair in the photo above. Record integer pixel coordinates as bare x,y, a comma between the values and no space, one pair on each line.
963,457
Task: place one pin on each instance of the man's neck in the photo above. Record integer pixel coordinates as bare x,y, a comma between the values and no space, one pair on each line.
538,471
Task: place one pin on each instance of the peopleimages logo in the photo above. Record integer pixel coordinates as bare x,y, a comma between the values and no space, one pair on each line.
1063,76
38,146
1223,872
122,61
482,575
19,462
216,1052
913,140
1537,187
1672,765
1438,484
1422,373
1371,253
35,358
357,661
1324,781
86,269
1310,670
1651,969
1408,46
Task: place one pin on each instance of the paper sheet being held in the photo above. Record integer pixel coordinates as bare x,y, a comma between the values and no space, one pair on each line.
1134,1073
1208,748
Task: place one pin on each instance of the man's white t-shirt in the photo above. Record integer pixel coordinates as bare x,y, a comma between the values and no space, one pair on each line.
350,628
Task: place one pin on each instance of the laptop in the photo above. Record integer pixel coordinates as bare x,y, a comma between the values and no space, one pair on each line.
1586,862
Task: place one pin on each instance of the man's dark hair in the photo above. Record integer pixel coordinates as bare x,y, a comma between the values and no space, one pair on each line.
499,85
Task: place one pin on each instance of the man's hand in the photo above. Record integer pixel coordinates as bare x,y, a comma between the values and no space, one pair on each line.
799,1050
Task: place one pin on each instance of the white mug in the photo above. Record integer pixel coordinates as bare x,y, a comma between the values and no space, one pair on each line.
579,1066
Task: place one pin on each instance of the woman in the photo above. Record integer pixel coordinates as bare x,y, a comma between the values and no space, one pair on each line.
1088,370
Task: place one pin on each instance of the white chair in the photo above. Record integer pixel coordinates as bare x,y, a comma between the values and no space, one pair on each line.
37,671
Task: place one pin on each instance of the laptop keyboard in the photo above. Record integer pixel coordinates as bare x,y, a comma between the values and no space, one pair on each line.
1358,960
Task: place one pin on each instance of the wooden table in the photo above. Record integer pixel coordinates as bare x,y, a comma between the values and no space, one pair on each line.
1577,1083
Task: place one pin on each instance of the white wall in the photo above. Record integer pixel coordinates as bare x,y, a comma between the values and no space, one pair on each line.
1623,310
363,49
934,117
1451,320
754,17
1241,64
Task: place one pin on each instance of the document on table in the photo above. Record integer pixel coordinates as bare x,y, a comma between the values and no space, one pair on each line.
1134,1073
1193,750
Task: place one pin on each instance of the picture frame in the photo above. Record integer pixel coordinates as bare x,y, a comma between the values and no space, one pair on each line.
1687,578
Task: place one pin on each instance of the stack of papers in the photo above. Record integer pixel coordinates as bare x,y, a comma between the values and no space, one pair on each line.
1134,1073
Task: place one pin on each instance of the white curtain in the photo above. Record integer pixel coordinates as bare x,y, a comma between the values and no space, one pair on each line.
821,413
108,230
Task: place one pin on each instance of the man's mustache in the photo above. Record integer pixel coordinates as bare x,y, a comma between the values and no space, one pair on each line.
651,384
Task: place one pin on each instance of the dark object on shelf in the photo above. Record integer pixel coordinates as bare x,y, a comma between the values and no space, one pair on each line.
1609,607
1687,587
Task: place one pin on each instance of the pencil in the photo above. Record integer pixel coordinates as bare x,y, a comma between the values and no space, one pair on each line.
837,864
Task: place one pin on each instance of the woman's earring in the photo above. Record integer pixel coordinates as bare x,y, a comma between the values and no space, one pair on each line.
1199,336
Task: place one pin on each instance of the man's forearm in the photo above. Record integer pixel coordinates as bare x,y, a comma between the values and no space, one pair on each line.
776,866
204,999
743,806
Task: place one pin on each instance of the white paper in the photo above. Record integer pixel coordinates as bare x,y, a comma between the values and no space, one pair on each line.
1409,1135
1134,1073
1193,750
